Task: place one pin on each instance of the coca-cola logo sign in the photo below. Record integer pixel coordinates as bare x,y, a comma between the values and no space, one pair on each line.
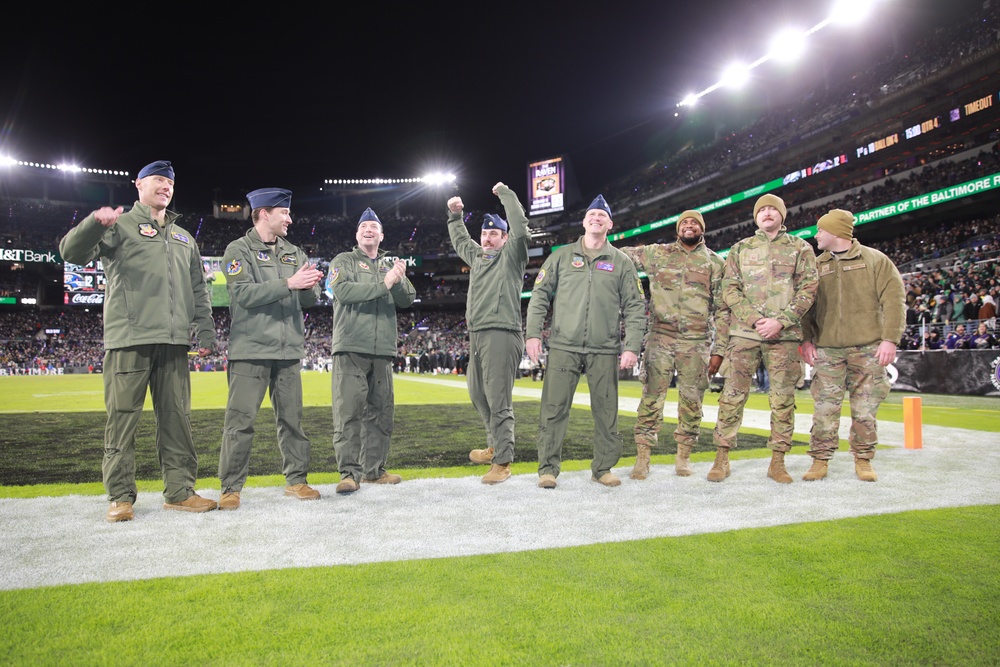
94,297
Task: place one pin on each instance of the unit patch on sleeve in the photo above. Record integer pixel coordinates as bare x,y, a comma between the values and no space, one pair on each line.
234,267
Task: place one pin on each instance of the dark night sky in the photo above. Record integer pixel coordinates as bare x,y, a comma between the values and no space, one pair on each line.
286,97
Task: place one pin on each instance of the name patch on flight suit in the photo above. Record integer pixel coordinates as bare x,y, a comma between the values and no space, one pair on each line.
263,256
180,237
853,267
234,267
605,266
289,259
147,229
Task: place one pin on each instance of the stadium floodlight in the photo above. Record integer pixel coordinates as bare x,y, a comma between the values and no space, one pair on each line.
69,167
735,75
7,161
850,12
788,46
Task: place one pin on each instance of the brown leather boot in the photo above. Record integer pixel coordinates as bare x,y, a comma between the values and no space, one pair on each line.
816,471
498,473
720,469
682,465
641,469
863,468
776,470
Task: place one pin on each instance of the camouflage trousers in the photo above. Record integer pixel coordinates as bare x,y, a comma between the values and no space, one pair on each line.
782,361
856,371
663,355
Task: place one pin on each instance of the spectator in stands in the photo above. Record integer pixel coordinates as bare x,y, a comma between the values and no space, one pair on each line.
147,335
983,339
493,318
849,337
957,307
770,283
688,330
367,287
988,311
957,339
943,307
972,305
592,288
270,281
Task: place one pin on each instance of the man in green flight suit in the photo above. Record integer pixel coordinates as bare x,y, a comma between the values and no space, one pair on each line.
367,286
591,287
155,293
270,281
493,318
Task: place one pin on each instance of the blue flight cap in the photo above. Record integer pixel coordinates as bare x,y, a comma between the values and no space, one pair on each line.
270,197
491,221
601,204
158,168
369,214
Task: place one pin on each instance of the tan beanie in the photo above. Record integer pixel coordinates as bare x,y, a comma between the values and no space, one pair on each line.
839,223
770,200
693,214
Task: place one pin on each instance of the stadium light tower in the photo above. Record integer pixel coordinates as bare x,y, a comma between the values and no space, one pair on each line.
789,43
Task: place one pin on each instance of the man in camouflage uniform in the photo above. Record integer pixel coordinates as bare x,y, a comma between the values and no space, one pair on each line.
685,284
592,288
770,283
850,336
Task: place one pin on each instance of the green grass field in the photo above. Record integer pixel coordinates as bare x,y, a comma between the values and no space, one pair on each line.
915,588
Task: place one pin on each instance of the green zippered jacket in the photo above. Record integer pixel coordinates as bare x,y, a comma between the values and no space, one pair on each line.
495,279
266,315
364,311
860,300
685,287
156,288
769,278
589,299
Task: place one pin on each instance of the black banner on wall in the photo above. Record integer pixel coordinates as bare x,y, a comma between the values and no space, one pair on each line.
970,372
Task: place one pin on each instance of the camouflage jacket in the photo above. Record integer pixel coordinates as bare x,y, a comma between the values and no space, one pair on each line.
860,300
685,289
770,278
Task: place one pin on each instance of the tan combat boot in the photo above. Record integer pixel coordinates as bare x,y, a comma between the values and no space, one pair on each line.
482,456
863,467
641,469
720,469
498,473
682,466
776,470
816,471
